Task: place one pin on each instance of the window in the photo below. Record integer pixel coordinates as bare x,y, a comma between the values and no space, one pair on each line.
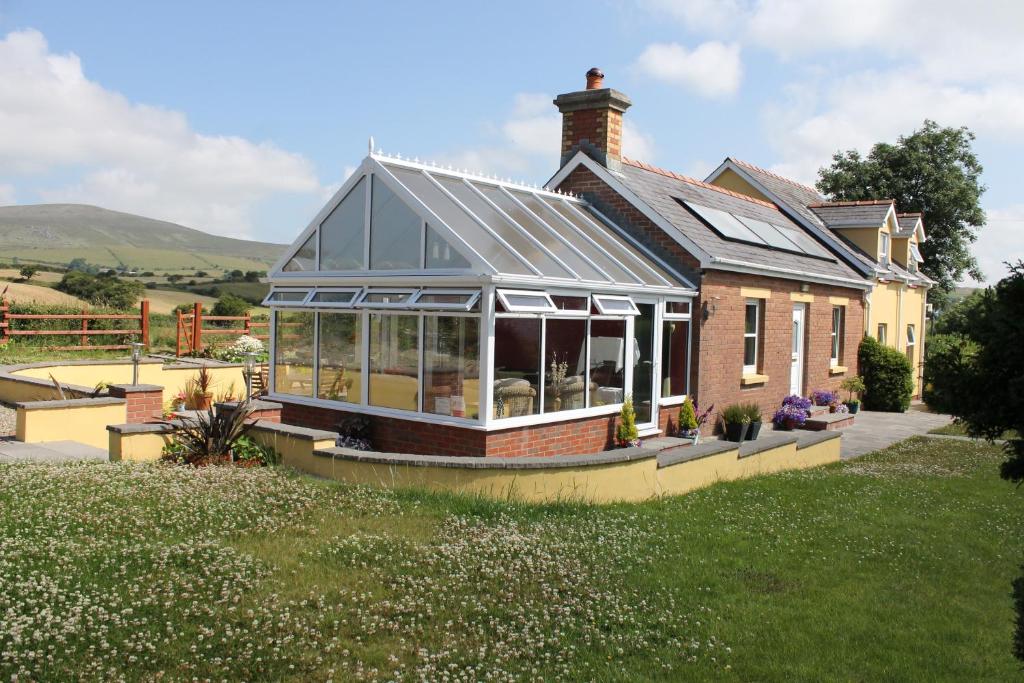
441,254
751,332
458,300
342,232
521,301
304,259
838,315
379,298
565,372
911,343
286,297
394,231
334,298
883,333
340,376
293,353
394,360
516,367
677,308
883,254
675,339
451,366
607,361
615,305
571,305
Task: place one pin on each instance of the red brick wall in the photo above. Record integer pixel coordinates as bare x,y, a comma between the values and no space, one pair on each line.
602,128
142,406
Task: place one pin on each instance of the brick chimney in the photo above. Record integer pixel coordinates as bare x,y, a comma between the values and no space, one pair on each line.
592,121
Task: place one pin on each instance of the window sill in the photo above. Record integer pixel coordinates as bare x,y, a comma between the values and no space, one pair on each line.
837,369
747,380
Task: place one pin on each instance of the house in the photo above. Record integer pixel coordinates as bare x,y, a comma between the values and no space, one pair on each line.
880,243
468,315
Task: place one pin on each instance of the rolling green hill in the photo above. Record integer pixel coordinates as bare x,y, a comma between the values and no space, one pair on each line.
57,233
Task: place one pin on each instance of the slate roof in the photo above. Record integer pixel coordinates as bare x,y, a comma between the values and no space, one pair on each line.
852,214
908,223
660,189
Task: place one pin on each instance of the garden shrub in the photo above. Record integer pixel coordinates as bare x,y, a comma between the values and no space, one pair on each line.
105,289
947,366
888,377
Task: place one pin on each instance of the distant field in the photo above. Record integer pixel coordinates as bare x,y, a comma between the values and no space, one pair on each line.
253,291
41,276
165,300
22,293
135,257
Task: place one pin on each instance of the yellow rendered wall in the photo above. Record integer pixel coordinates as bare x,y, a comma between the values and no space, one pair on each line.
136,447
85,424
901,251
866,239
914,301
885,308
173,380
730,180
13,391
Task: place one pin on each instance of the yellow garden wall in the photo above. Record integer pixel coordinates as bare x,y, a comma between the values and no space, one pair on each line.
83,420
136,447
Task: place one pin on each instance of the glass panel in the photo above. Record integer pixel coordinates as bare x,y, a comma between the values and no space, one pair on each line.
675,339
342,232
750,321
643,368
385,297
516,367
571,303
565,378
882,330
621,244
612,306
509,233
394,231
394,361
677,307
444,299
451,366
524,302
293,353
916,253
456,219
305,257
288,296
341,357
750,351
607,361
804,242
725,223
333,297
796,340
768,233
440,254
911,335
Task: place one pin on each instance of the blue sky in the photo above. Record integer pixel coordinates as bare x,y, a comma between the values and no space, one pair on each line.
241,118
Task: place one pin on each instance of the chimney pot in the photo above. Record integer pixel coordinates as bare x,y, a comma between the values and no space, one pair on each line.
595,79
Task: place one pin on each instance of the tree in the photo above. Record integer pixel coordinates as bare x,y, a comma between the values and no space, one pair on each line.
105,289
174,279
933,170
232,305
252,275
28,272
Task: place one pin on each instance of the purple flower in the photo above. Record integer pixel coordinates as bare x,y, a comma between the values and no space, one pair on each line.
795,401
790,413
822,397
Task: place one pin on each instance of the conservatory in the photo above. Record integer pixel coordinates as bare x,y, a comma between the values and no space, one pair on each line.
435,296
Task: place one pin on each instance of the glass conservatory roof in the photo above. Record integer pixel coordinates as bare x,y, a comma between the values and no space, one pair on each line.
399,217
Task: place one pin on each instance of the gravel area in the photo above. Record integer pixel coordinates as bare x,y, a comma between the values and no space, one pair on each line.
6,420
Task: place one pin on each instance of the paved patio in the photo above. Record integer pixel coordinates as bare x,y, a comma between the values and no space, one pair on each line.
49,452
872,431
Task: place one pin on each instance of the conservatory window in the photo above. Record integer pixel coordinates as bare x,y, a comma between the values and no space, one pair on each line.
395,231
379,298
675,341
293,353
394,360
304,259
459,300
522,301
341,357
607,361
517,368
615,305
286,297
451,366
441,254
565,371
571,305
334,298
677,308
343,231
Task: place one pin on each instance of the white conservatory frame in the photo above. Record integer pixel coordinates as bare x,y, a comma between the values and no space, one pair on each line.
653,282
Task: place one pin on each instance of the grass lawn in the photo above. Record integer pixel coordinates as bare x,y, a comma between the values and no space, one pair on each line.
957,429
896,566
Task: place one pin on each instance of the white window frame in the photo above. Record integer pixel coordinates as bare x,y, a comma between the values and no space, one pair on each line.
666,315
756,334
474,296
362,303
287,304
600,299
503,294
356,291
838,325
882,333
571,313
915,252
911,335
883,255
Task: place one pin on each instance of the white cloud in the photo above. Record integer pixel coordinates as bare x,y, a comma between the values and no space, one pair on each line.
712,69
134,157
999,242
6,194
707,15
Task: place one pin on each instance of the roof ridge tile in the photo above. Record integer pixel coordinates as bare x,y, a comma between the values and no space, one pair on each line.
859,202
693,181
783,178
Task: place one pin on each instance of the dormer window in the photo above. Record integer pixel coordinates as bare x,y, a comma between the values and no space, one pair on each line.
883,254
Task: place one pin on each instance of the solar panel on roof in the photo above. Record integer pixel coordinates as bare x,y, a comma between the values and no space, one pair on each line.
725,223
769,233
803,242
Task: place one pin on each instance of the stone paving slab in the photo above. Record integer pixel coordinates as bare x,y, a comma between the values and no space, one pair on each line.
50,452
872,431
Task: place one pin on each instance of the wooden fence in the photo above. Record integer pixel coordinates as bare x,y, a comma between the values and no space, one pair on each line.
192,329
81,330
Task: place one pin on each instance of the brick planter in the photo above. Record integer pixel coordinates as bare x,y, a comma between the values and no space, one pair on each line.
145,401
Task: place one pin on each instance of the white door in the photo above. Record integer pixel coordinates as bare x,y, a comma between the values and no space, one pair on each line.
796,372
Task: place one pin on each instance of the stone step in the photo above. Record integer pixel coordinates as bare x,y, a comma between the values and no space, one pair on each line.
828,421
819,410
663,443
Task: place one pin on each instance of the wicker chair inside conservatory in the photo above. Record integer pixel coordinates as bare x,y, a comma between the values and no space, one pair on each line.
513,397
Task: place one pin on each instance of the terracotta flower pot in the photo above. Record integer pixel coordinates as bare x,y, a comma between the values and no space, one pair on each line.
204,402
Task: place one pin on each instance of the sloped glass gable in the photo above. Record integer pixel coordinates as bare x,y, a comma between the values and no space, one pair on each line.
342,232
304,259
395,231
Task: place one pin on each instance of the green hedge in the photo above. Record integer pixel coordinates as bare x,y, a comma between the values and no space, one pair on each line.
62,324
948,363
888,376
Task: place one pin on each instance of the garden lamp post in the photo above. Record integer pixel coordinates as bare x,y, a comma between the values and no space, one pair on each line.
250,368
136,356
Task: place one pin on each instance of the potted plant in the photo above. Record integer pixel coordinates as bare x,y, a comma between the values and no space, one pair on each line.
556,381
209,438
690,428
626,434
200,389
753,412
823,397
736,422
853,385
793,413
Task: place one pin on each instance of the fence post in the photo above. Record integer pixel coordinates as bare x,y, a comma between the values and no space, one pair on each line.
144,317
248,323
197,327
4,322
85,328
